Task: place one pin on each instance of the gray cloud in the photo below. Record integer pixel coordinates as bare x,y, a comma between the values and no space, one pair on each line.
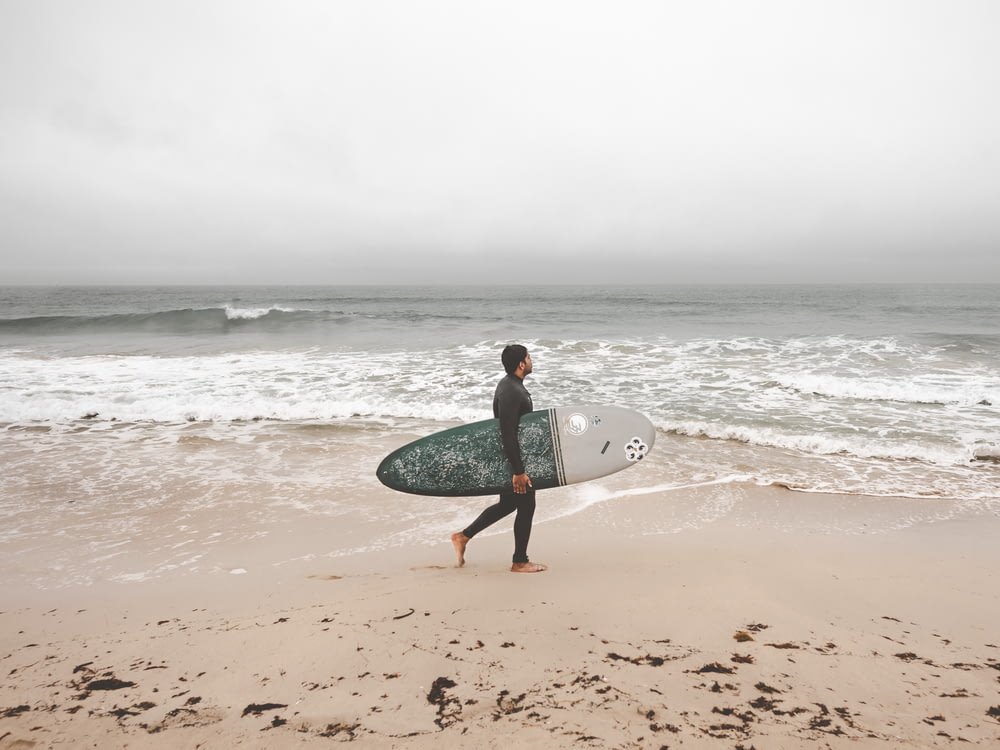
394,142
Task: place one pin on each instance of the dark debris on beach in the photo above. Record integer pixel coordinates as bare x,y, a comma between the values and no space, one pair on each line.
757,695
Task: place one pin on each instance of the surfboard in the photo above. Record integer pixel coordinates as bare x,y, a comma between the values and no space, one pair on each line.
560,446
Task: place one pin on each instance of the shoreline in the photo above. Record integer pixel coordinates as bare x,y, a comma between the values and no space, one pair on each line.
245,546
739,632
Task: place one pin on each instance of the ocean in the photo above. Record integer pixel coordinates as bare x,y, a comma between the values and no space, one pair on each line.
165,431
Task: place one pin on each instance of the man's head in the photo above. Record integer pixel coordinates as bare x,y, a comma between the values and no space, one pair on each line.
516,360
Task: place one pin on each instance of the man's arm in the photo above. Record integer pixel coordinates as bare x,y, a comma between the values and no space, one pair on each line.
510,420
509,409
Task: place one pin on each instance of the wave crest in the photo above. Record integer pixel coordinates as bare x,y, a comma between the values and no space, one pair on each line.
203,320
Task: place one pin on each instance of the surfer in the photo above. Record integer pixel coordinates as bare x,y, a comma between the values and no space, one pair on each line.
510,402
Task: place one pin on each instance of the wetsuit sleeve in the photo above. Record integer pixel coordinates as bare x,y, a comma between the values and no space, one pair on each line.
509,414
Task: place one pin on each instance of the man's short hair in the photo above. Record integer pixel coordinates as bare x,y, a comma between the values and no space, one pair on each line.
513,355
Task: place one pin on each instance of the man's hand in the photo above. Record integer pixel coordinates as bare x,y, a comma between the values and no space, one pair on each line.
521,483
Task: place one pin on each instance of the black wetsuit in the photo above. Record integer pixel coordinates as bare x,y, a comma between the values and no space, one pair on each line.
510,402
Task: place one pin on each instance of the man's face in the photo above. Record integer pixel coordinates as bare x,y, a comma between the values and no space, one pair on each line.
527,364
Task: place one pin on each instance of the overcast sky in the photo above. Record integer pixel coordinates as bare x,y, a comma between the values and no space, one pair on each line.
390,142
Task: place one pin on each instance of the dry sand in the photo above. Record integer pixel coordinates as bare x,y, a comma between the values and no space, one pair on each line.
735,635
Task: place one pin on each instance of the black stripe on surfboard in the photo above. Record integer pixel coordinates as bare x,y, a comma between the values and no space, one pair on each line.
557,448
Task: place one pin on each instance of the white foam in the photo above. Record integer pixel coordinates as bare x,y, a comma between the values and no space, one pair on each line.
253,313
906,388
842,399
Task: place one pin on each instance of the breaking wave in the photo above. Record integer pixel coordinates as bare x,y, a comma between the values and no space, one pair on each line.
205,320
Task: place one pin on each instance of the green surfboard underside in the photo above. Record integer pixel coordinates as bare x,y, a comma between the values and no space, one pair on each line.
469,460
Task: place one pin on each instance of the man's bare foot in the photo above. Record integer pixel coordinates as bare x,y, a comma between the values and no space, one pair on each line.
460,541
528,567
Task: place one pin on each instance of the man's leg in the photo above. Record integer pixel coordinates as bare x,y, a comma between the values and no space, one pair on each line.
522,533
522,524
501,509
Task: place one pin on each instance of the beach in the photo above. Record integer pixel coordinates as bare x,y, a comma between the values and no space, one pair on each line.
742,632
251,252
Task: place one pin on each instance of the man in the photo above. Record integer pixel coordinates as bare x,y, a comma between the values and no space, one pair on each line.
510,402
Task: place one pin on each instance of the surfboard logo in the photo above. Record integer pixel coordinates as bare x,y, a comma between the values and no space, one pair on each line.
576,424
635,450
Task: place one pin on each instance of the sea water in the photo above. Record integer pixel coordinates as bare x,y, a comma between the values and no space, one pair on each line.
159,431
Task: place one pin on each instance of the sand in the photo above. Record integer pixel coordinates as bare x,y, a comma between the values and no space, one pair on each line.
739,634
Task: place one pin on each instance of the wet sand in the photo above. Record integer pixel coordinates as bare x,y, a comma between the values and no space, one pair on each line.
738,634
